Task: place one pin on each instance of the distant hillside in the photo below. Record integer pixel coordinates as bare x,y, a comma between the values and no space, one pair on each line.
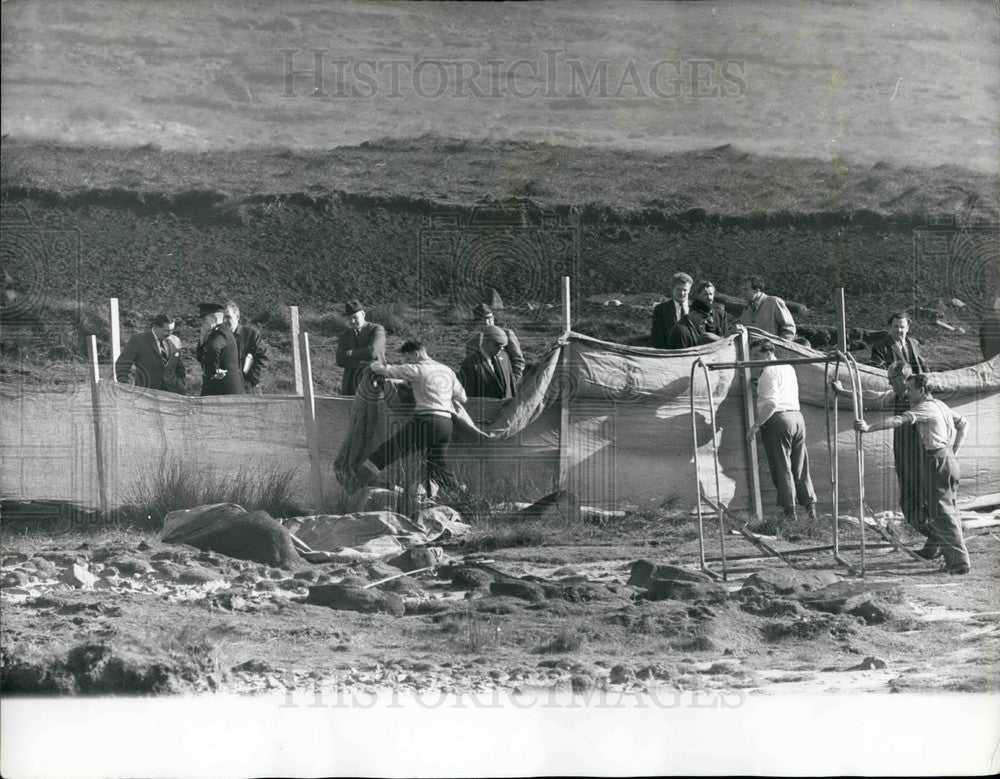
414,221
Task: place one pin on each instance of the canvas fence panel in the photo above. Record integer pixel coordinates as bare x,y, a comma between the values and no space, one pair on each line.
628,436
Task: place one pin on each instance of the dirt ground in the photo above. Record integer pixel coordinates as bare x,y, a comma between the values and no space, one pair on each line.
119,612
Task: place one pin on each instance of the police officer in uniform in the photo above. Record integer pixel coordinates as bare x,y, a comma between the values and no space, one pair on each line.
218,353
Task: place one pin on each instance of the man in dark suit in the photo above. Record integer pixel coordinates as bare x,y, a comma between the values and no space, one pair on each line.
670,312
155,354
989,332
218,354
704,323
250,345
483,315
897,346
360,345
486,370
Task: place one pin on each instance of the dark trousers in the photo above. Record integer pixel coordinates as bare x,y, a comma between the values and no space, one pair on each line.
784,437
428,434
939,474
907,453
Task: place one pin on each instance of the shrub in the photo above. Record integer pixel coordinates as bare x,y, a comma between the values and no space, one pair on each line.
183,486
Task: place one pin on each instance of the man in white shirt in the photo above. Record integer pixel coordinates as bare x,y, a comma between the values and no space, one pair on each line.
436,388
783,431
941,432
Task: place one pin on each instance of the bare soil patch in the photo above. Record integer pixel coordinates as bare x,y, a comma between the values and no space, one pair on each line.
160,619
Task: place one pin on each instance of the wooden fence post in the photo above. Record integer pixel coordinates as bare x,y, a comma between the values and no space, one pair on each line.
116,338
565,390
753,467
296,355
841,322
312,434
95,398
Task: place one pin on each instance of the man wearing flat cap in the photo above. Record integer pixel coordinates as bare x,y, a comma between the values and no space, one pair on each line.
486,370
483,315
218,354
360,345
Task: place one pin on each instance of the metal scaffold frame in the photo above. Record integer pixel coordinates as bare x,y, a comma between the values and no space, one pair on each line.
837,358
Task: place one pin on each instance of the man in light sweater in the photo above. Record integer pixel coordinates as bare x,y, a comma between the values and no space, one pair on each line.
783,431
435,389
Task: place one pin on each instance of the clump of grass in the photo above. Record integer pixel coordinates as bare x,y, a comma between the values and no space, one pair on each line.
472,632
330,323
505,538
570,640
182,486
394,317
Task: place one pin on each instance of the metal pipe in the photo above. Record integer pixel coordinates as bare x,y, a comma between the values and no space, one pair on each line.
694,439
800,550
859,454
715,366
715,458
835,469
859,406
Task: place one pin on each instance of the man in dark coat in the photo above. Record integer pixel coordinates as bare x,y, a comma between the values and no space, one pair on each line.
483,315
250,345
897,346
218,354
156,356
670,312
486,370
704,323
989,332
906,448
359,346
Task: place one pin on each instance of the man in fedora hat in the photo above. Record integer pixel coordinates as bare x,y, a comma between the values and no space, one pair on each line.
218,354
482,314
360,345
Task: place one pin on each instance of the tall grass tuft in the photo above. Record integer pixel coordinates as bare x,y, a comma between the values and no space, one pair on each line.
180,485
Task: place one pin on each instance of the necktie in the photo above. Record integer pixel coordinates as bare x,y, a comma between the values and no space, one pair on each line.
163,350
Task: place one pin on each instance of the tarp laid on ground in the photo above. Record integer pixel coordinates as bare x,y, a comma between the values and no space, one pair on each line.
371,535
609,422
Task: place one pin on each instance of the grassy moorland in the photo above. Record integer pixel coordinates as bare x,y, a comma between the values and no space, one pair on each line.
416,227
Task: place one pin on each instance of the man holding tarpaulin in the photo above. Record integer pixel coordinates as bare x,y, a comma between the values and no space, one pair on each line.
436,388
940,431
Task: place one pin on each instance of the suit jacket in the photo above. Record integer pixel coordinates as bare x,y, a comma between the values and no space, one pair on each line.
886,352
250,341
691,329
989,335
367,346
219,351
143,353
516,356
686,333
480,379
664,319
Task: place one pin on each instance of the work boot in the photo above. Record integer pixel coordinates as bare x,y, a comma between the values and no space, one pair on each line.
812,512
930,549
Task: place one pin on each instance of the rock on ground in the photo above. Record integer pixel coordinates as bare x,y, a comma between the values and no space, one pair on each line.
347,598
